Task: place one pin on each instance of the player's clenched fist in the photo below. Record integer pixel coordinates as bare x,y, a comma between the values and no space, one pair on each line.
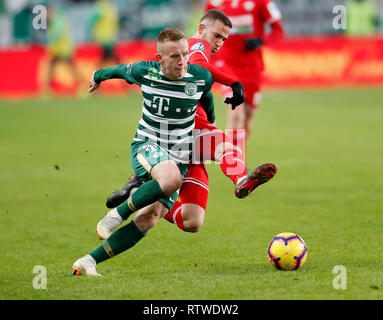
92,84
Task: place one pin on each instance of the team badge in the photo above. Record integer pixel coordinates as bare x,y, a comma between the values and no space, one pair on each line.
198,46
191,89
154,74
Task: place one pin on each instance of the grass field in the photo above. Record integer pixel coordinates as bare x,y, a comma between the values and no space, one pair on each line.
60,159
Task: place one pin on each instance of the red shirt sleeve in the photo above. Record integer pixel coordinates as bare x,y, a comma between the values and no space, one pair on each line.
270,12
271,15
218,75
276,33
200,53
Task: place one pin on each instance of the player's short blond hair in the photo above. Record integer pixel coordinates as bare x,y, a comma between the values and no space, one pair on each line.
214,14
170,34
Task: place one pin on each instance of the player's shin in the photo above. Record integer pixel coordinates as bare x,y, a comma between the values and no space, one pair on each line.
231,155
120,241
175,215
232,165
146,194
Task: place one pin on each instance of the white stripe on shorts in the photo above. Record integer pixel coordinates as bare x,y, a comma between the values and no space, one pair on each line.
197,182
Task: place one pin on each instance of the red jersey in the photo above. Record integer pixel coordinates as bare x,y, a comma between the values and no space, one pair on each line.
200,53
248,19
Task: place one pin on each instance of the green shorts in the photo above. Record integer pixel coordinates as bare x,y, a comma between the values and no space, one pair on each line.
144,155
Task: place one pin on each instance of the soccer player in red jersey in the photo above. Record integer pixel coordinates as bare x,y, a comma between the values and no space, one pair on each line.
241,56
212,143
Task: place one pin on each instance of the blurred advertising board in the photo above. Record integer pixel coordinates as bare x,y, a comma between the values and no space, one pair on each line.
293,63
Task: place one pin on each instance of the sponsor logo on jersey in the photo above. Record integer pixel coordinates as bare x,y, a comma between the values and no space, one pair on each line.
154,74
243,20
198,46
242,24
190,88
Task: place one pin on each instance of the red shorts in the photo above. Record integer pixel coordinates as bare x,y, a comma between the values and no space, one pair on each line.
195,187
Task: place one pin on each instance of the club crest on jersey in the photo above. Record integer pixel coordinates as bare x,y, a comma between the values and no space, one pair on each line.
190,88
154,74
198,46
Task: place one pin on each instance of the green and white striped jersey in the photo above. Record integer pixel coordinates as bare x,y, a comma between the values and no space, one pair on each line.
169,106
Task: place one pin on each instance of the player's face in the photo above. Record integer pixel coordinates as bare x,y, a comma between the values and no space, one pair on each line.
173,57
215,32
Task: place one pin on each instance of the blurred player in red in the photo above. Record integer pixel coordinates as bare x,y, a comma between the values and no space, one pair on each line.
211,143
241,56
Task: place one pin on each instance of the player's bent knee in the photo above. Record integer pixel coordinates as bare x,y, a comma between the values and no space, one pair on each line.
193,217
193,226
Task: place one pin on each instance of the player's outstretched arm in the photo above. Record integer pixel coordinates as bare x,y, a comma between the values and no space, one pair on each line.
114,72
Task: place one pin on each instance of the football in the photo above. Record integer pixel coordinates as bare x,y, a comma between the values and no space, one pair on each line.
287,251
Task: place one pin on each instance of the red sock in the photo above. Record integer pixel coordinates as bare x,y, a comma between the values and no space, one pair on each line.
175,216
239,139
232,162
232,165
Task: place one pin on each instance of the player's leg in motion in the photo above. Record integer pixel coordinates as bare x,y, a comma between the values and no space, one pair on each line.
121,240
167,179
216,145
189,213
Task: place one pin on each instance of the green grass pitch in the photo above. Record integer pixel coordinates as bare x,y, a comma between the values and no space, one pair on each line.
61,158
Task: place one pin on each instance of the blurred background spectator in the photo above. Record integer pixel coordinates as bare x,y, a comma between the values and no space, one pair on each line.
61,47
103,29
362,19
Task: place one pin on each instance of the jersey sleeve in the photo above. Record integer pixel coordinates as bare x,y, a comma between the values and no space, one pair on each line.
129,72
218,75
207,103
199,51
272,16
270,12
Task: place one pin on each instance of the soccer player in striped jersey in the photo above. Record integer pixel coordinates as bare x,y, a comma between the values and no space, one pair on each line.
212,144
162,146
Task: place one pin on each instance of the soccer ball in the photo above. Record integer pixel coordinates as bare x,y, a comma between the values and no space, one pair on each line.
287,251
